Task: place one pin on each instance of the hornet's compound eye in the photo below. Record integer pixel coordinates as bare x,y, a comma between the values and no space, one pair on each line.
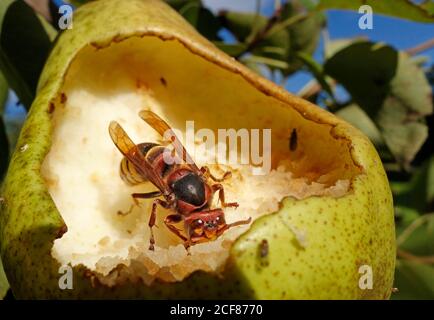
197,227
220,220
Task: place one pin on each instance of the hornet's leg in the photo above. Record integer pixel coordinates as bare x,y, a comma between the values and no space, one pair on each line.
218,187
153,217
170,220
136,196
207,174
176,218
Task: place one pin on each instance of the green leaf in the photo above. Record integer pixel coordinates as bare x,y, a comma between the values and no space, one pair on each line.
418,237
429,7
24,46
252,65
357,117
332,47
201,18
404,217
411,87
241,24
245,27
178,4
232,49
391,89
366,70
4,285
304,32
402,115
403,138
403,9
413,280
417,193
268,61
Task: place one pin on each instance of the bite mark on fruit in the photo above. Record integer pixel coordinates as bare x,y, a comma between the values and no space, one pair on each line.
300,235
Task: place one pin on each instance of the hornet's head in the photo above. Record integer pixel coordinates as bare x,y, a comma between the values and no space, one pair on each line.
206,225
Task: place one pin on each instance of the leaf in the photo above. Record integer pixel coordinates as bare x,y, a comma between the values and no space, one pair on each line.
418,193
404,217
305,33
332,47
24,46
405,141
403,9
232,49
178,4
408,102
429,7
269,62
201,18
413,280
254,66
357,117
241,24
391,89
366,71
4,285
245,26
419,240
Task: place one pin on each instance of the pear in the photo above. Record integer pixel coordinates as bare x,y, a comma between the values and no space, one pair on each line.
322,215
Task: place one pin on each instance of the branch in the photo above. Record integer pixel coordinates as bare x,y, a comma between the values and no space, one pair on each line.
411,257
260,35
40,6
412,227
421,47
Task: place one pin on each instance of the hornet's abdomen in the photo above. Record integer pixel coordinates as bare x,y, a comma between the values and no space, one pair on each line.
128,171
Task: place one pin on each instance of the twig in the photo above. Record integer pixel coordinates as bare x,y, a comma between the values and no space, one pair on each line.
277,4
412,227
411,257
421,47
40,6
310,89
288,22
313,88
260,35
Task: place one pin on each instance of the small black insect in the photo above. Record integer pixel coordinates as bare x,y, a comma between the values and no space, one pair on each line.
163,81
263,248
263,254
293,140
